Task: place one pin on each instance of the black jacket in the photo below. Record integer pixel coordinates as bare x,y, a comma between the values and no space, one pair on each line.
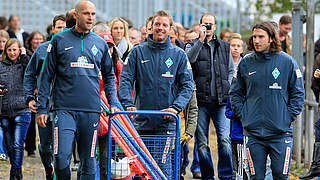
11,76
13,35
212,67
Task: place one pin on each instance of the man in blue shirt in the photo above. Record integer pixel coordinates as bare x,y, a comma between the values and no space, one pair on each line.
75,58
163,80
30,78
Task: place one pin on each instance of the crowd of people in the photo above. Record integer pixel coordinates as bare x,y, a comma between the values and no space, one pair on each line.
252,97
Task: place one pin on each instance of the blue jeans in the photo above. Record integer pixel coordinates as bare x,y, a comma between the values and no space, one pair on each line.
46,140
317,130
195,166
222,126
15,130
3,149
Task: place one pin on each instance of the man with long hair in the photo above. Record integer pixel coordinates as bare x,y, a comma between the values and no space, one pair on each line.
267,95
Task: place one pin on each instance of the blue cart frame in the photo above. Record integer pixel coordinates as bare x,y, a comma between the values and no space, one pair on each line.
177,152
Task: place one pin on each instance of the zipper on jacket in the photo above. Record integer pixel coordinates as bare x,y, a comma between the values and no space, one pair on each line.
82,47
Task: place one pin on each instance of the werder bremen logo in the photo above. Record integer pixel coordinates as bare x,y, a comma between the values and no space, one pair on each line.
94,50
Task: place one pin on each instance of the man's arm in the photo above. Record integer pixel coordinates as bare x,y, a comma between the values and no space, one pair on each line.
47,73
108,77
127,79
192,114
238,92
193,49
296,92
30,80
231,68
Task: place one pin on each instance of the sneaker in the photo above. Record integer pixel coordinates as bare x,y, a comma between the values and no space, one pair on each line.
196,175
3,157
75,166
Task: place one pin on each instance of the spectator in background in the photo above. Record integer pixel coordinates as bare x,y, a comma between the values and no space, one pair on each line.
120,35
102,132
35,38
314,170
190,35
174,37
196,28
134,36
143,31
212,75
129,22
101,28
15,31
181,33
49,32
30,80
15,114
225,34
33,41
285,26
4,37
70,20
236,48
148,29
3,23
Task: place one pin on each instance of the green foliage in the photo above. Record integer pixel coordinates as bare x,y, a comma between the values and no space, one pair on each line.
267,8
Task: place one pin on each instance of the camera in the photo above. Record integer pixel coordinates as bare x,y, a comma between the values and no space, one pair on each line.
208,26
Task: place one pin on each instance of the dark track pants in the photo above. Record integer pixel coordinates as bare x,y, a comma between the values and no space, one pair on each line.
79,126
280,154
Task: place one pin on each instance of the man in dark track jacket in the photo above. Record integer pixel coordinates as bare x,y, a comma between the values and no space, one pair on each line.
74,58
212,67
267,95
29,84
163,80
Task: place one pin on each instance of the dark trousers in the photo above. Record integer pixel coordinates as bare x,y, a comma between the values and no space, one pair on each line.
30,143
279,150
103,155
82,127
317,130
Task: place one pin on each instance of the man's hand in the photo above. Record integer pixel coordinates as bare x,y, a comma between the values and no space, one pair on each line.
42,120
186,137
170,110
202,32
317,73
114,109
32,106
131,116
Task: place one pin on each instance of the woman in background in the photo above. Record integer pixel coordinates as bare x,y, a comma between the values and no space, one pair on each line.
15,114
120,35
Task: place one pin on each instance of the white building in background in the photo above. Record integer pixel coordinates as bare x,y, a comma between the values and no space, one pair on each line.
37,14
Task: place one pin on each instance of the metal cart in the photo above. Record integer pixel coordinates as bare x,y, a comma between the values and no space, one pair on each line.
131,156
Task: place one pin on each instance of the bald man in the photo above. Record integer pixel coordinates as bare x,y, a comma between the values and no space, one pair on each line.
75,58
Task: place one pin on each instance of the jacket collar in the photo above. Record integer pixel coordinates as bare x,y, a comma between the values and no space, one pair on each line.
9,62
160,45
78,34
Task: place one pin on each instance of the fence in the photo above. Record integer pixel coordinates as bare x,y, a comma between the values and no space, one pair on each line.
37,14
